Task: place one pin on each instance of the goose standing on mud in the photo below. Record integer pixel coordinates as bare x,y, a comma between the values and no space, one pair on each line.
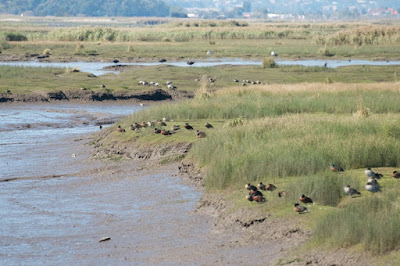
351,191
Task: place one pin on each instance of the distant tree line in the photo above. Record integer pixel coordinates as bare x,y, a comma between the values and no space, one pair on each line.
95,8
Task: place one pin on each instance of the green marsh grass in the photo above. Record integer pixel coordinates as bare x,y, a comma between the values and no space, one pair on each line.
295,145
372,222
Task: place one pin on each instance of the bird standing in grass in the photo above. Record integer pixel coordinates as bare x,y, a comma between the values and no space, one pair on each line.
299,208
305,199
351,191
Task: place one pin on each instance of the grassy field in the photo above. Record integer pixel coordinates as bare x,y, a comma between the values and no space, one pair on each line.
105,39
286,131
30,80
289,135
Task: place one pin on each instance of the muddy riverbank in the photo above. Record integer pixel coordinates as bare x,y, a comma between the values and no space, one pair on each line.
242,233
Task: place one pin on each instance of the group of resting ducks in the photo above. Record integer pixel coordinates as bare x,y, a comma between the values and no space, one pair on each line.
372,186
162,123
372,183
256,195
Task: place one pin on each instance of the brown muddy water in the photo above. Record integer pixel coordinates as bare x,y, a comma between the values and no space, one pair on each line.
55,207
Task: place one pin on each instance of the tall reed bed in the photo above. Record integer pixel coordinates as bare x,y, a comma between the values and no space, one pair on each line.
295,145
372,222
365,35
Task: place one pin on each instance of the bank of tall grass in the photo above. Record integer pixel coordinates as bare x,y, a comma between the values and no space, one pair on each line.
296,145
372,222
276,100
365,35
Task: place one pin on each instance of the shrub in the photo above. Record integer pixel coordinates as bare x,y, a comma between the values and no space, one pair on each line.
268,62
47,51
15,37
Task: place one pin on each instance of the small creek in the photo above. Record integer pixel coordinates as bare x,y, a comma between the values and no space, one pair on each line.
97,68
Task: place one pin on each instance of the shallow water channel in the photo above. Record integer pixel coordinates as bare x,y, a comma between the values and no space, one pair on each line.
98,68
56,207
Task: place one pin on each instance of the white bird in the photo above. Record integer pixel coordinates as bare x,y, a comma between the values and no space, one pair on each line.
371,173
209,52
351,191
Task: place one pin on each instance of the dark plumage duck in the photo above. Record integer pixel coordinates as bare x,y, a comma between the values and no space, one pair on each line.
373,182
305,200
120,129
157,131
100,127
161,123
132,127
335,168
270,187
250,187
351,191
162,60
188,127
165,132
371,173
395,174
136,125
207,125
262,186
256,198
200,134
175,127
190,63
371,188
143,124
299,208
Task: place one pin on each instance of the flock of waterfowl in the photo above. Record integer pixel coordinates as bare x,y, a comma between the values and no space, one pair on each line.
372,185
162,123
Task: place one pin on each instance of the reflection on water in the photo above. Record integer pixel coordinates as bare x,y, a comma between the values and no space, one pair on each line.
97,68
27,130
